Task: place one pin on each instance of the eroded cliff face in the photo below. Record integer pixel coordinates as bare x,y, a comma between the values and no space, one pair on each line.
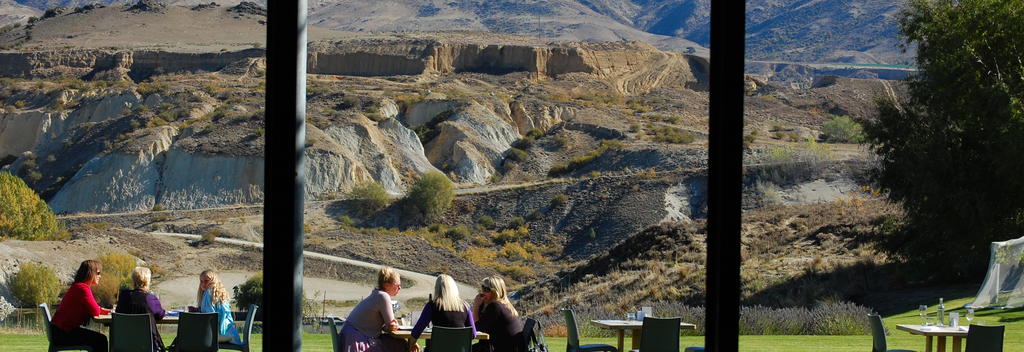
115,65
632,67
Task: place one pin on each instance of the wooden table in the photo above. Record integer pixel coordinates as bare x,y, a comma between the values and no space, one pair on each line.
941,332
407,335
620,327
106,319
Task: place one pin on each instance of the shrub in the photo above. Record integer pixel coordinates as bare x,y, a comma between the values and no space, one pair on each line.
117,270
23,215
35,284
369,197
517,154
559,200
511,235
458,233
249,292
842,129
673,135
210,236
580,161
592,234
486,221
517,222
347,221
430,197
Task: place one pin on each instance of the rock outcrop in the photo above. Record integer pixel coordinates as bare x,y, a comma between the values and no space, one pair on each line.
107,64
471,143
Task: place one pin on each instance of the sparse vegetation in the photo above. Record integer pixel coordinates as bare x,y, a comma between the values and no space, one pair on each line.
249,292
580,161
842,129
117,270
673,135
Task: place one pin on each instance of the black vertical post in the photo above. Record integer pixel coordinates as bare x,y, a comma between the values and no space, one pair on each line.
725,175
284,175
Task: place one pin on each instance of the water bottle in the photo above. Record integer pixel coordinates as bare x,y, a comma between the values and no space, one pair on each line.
942,312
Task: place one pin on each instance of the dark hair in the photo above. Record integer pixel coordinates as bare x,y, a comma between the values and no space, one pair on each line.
87,270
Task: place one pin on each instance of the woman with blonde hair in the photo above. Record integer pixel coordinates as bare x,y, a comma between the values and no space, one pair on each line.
213,298
445,309
141,301
362,330
496,316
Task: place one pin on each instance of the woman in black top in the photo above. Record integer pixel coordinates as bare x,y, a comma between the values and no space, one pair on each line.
140,301
445,309
496,316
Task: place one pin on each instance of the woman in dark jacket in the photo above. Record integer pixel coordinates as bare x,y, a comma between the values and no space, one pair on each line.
496,316
140,301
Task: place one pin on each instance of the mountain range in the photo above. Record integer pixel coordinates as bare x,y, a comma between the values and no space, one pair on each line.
838,31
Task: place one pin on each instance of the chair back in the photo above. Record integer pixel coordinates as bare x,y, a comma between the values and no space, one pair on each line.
335,337
46,313
197,332
533,336
660,335
878,343
572,331
130,332
250,317
985,338
451,339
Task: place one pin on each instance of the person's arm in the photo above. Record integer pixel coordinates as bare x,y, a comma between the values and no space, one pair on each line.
155,307
386,312
471,322
91,306
421,324
486,320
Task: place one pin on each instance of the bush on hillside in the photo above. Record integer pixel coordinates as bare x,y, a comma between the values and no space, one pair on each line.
486,221
35,284
430,197
369,197
842,129
23,215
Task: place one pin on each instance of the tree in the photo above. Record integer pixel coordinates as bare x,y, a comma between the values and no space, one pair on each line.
430,197
23,215
369,197
35,284
249,292
950,155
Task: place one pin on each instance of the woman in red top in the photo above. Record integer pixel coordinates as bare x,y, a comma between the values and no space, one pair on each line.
75,309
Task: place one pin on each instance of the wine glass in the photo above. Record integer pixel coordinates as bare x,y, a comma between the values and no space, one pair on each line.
923,311
970,315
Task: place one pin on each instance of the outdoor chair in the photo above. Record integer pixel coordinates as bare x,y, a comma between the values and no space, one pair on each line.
572,343
533,336
985,338
49,339
694,349
130,332
659,335
246,332
878,335
451,339
335,336
197,332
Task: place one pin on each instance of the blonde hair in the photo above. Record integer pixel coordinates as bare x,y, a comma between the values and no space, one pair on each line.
217,292
140,278
386,275
497,285
446,295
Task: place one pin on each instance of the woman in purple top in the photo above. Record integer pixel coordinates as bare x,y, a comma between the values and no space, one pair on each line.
140,301
446,309
363,327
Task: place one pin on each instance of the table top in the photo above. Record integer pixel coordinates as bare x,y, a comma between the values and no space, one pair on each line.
934,330
407,333
632,324
106,319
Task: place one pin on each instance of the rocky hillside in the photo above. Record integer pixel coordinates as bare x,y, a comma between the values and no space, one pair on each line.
794,30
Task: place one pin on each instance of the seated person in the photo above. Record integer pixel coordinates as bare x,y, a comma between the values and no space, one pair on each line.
213,298
76,308
446,309
140,301
363,327
496,316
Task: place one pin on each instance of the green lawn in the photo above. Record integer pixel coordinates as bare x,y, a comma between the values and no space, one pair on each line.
1013,319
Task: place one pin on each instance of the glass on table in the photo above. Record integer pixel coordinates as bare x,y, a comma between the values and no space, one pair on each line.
923,311
631,316
970,315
